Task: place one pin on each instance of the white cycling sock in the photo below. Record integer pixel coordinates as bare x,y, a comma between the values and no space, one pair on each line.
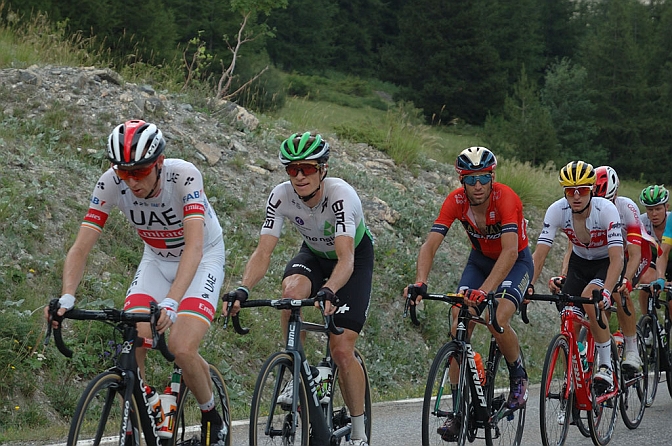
603,353
630,343
358,429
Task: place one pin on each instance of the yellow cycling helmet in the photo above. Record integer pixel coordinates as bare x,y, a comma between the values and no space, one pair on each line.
577,173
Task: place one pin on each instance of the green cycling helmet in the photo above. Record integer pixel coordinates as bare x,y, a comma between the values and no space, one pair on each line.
654,195
306,146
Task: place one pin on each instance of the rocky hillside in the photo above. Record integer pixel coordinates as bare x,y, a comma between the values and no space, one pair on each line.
63,116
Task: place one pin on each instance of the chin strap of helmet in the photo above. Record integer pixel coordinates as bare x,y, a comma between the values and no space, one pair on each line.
156,183
584,208
306,198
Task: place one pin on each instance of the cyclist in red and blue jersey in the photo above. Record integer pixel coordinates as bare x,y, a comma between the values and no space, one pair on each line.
182,266
499,262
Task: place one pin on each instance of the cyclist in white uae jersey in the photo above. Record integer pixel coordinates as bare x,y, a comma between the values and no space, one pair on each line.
336,257
593,226
182,267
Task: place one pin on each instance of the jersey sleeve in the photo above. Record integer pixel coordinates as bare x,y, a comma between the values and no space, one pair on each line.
633,225
193,196
450,211
346,212
552,221
102,200
511,212
611,219
274,219
667,234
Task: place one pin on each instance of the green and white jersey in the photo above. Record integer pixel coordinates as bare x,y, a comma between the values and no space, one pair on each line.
338,213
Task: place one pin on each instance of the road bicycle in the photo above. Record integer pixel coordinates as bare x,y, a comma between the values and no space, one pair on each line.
310,418
567,380
657,340
478,404
114,406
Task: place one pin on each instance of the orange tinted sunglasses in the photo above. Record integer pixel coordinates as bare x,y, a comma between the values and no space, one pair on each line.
307,169
136,174
581,190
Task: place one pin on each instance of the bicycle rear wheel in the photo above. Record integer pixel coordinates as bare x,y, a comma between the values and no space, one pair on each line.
338,412
99,414
188,418
508,429
651,355
271,423
555,397
632,401
441,402
668,355
602,416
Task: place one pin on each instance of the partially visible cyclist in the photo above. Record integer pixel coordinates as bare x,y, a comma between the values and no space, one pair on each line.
593,226
655,199
662,262
499,261
182,266
336,258
638,248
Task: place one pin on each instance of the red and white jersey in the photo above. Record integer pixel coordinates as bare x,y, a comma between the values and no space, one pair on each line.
603,224
632,228
159,220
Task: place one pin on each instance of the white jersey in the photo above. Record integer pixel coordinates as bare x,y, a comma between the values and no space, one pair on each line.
603,224
632,229
648,226
338,213
159,220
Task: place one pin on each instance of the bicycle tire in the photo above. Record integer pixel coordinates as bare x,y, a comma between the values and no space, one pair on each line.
602,416
438,401
509,430
188,414
632,401
648,329
668,351
555,411
265,411
337,413
99,413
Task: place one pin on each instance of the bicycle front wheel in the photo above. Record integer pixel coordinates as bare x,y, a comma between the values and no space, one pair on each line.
99,415
189,414
602,416
632,401
508,426
273,423
651,355
555,396
338,411
443,400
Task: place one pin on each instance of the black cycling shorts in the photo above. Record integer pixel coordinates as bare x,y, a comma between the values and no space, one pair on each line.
356,293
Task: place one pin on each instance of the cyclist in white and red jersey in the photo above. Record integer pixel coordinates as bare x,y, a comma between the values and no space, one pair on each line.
336,258
593,226
499,262
638,248
655,199
182,267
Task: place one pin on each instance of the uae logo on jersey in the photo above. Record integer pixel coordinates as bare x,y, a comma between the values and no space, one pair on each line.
329,229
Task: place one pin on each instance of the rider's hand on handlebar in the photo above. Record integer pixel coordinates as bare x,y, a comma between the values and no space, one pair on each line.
555,284
606,299
474,296
170,315
66,302
625,287
330,300
235,298
417,291
657,284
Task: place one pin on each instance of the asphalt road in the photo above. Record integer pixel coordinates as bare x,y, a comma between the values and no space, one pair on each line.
398,424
